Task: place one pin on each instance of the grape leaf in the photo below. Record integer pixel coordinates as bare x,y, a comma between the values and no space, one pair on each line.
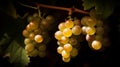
103,8
18,56
88,4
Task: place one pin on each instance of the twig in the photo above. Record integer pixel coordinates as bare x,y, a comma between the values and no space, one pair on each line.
70,10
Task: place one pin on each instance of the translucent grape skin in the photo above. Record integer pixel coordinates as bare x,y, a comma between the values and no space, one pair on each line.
67,32
90,30
96,45
38,38
76,30
69,24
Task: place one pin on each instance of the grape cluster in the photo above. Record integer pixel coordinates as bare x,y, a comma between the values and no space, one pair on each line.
36,35
70,35
94,30
68,38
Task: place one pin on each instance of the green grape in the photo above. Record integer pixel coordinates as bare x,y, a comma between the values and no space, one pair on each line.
42,47
33,25
74,52
45,24
96,45
37,31
25,33
73,41
67,32
61,26
42,54
99,23
34,53
76,30
28,28
38,38
84,29
67,47
69,24
58,35
65,54
99,37
35,15
59,49
90,30
77,22
84,20
90,21
59,43
66,59
50,19
64,40
100,30
29,47
90,38
32,35
27,41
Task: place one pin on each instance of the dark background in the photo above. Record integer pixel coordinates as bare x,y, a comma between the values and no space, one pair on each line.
86,57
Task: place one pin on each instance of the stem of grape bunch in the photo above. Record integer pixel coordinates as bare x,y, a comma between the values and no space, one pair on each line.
70,10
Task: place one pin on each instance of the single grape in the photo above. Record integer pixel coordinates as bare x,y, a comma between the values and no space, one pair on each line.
29,47
90,30
76,30
69,24
59,49
58,35
67,47
61,26
66,59
25,33
27,41
96,45
65,54
50,19
67,32
38,38
74,52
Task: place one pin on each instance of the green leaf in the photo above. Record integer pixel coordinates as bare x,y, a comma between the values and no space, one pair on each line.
18,56
88,4
5,40
105,8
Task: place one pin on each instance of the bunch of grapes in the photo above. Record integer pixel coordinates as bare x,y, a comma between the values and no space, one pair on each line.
36,35
94,29
68,38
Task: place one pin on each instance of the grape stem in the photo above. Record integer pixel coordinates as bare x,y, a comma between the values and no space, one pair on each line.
70,10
